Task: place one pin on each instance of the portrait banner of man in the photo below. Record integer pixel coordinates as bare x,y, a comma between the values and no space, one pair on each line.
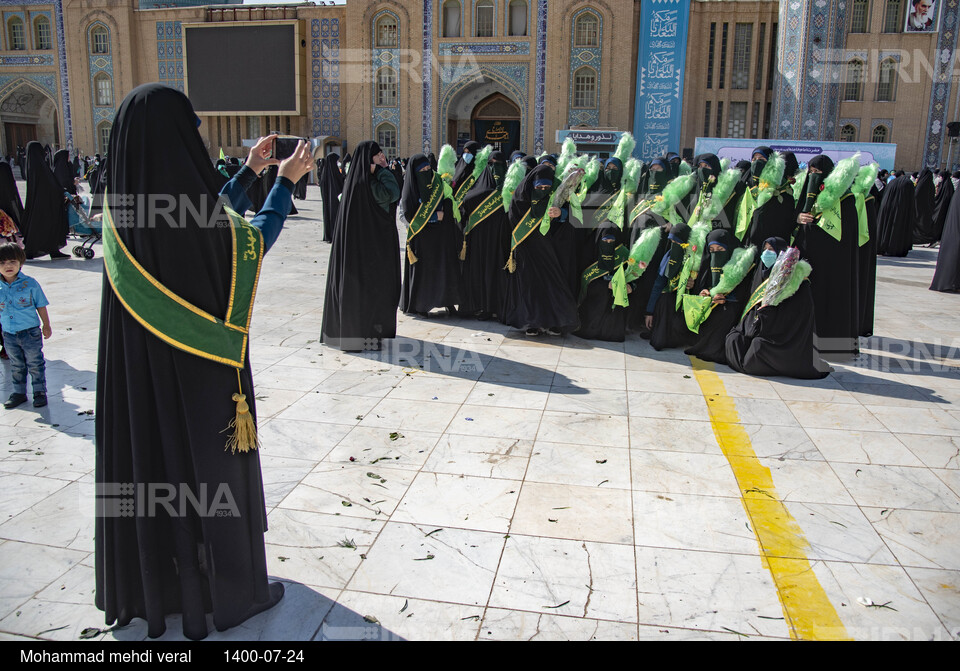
923,16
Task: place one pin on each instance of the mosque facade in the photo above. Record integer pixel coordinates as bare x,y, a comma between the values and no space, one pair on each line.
519,74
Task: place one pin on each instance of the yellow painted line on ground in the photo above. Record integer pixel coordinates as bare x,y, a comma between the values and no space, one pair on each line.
783,546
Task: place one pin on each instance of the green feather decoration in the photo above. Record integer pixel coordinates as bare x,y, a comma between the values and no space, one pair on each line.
720,194
641,252
865,179
515,174
771,178
692,256
480,162
801,271
567,154
675,191
631,175
800,178
625,148
735,270
447,162
724,164
837,183
685,168
592,171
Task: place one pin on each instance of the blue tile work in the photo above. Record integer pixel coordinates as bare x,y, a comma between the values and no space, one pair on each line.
580,56
427,117
807,93
942,78
325,76
851,122
385,58
170,54
101,63
539,105
63,95
487,48
33,59
513,78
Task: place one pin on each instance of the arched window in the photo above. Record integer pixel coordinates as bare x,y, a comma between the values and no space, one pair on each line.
451,18
887,86
387,139
386,87
103,137
99,40
860,16
585,88
386,30
891,16
104,89
517,18
16,39
483,19
586,30
853,85
41,33
848,133
881,134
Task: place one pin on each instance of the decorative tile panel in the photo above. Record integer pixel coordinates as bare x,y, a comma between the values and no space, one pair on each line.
942,82
486,48
579,57
170,54
325,76
384,57
539,105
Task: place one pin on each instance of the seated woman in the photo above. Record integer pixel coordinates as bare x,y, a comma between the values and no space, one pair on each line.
776,338
664,321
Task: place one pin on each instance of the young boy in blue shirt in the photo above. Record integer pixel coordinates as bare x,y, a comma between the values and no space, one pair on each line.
23,316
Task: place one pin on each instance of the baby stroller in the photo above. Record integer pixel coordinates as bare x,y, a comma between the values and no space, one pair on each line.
83,226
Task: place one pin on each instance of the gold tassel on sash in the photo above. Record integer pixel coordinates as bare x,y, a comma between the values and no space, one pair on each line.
463,250
243,436
411,257
511,264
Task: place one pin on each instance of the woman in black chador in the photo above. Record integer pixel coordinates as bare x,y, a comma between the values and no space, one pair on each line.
161,410
923,227
947,276
895,218
941,204
9,194
363,276
45,215
431,271
331,186
64,172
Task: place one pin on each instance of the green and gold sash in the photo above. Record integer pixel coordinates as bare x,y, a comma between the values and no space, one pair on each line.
755,298
424,212
527,225
593,272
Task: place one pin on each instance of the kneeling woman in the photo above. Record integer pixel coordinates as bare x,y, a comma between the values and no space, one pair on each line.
775,335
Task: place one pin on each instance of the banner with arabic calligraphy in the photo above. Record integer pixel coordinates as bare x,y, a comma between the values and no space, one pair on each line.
503,135
660,68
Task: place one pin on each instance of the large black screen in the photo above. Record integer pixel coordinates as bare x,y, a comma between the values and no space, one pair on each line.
241,68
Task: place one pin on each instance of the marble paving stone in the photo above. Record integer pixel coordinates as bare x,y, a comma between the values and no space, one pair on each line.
804,481
862,447
941,589
432,388
573,512
320,548
523,397
744,386
398,618
465,502
949,477
652,433
518,625
331,486
839,533
330,408
357,383
52,620
778,442
510,372
681,381
76,586
20,492
708,590
917,420
403,415
934,451
567,577
919,538
281,475
687,522
897,487
814,414
579,464
62,456
593,357
452,565
682,473
769,412
672,406
299,439
27,568
584,429
293,378
271,402
503,458
590,378
493,422
394,449
594,401
64,519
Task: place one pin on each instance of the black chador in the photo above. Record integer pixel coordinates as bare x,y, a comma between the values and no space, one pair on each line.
895,218
64,172
484,254
941,205
924,232
431,272
331,186
363,276
947,275
776,218
537,296
45,215
9,194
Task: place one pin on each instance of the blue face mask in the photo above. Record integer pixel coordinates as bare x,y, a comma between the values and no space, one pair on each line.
467,158
768,257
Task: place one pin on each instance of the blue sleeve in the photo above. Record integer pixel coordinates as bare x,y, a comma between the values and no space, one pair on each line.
236,189
39,299
564,213
658,286
275,209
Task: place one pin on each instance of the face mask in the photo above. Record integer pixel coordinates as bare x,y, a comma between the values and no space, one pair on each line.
424,180
613,177
756,168
538,205
768,257
467,158
499,172
717,261
704,174
814,186
676,259
658,180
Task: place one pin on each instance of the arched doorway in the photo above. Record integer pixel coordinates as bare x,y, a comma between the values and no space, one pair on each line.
459,107
496,121
28,114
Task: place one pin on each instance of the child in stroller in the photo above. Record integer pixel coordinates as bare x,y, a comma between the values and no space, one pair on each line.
87,228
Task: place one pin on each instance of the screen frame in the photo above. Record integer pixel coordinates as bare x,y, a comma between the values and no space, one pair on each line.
298,65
